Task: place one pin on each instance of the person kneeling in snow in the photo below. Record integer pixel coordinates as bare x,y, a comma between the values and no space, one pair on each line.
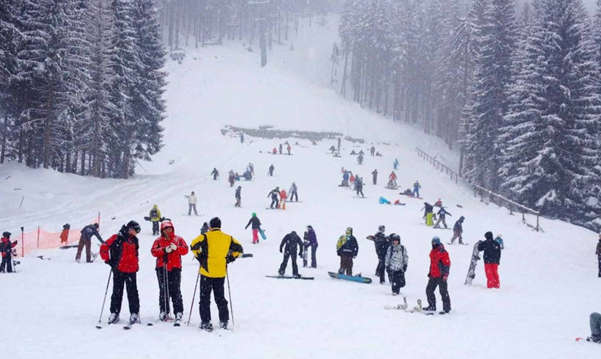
396,263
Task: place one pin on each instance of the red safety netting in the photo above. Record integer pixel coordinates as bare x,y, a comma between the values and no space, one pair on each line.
42,239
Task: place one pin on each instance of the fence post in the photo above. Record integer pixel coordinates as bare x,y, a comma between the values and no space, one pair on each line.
38,237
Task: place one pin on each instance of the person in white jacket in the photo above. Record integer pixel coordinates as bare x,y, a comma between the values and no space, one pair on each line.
396,263
192,204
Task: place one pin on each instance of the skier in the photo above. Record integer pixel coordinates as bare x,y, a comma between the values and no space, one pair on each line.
293,192
255,224
215,174
428,212
360,159
238,196
416,188
492,258
345,179
598,252
381,244
155,217
595,323
310,241
458,230
192,204
65,233
271,168
6,250
205,228
168,250
120,252
440,266
214,250
231,178
291,244
392,178
280,148
274,198
375,176
86,240
396,262
283,198
442,213
499,239
359,186
373,151
347,248
396,164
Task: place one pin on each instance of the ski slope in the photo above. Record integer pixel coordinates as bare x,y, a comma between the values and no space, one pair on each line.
50,308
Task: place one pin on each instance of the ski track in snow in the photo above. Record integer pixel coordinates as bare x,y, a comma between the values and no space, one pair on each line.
548,280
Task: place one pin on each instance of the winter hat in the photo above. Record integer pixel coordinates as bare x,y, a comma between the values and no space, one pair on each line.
488,235
435,240
382,228
167,224
395,237
309,228
96,225
6,234
215,223
134,225
254,214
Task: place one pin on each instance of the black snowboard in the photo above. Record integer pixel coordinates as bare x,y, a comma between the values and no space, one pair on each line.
288,277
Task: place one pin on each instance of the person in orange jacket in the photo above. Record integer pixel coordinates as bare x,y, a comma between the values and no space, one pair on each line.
168,250
283,197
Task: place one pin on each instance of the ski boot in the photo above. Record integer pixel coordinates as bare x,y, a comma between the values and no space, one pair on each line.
224,325
178,319
134,318
113,318
206,326
429,309
594,339
163,316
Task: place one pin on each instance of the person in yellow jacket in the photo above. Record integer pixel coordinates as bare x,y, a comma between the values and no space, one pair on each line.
155,218
214,250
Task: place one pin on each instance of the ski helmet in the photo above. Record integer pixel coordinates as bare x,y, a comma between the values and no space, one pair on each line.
6,234
435,240
254,214
134,225
395,237
215,223
382,228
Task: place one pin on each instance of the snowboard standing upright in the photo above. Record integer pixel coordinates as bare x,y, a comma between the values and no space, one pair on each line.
471,273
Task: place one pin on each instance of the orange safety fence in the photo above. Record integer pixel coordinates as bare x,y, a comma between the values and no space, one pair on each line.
42,239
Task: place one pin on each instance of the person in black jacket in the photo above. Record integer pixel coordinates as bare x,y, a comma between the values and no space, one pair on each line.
87,233
381,243
359,186
347,249
274,198
492,258
271,168
255,224
442,213
458,230
6,252
290,246
238,196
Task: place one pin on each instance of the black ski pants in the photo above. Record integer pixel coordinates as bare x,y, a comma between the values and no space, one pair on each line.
293,195
128,280
381,268
397,278
7,264
361,192
444,293
599,257
171,290
313,256
215,285
155,228
288,255
274,201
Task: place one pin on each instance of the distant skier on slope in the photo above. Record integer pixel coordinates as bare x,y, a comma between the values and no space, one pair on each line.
416,188
428,212
271,168
255,224
290,246
293,192
458,230
395,164
310,242
598,252
360,159
440,266
275,202
396,261
442,213
345,179
492,259
192,203
231,178
85,240
392,178
238,196
359,186
155,218
347,249
215,174
373,151
375,177
283,198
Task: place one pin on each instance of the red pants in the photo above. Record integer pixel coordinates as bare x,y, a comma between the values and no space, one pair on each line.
492,275
255,235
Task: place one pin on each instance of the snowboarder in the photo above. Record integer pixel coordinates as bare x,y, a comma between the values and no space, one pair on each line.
440,266
442,213
338,144
373,151
381,244
280,148
347,248
293,192
231,178
214,250
499,239
120,252
458,230
192,204
375,177
428,212
65,233
360,159
168,250
598,252
6,251
205,228
332,149
255,224
155,218
238,196
87,233
595,323
283,198
215,174
247,175
396,261
395,164
383,200
275,203
392,178
310,242
291,245
345,179
416,188
271,168
492,258
438,203
359,186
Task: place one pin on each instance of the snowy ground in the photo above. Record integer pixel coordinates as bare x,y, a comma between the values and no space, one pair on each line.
50,308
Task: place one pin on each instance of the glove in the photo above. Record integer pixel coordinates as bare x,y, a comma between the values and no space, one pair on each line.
173,247
15,242
230,258
168,249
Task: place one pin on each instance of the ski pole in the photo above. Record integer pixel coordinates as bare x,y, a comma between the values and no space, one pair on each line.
229,293
193,297
104,300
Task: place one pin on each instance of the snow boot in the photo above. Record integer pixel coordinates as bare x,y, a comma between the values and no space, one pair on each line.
162,316
113,318
429,309
223,325
134,318
594,339
206,326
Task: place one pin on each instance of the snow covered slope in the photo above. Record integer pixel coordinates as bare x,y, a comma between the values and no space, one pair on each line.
50,308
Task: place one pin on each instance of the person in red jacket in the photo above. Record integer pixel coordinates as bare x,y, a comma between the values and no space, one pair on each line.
283,198
6,251
121,253
440,266
168,250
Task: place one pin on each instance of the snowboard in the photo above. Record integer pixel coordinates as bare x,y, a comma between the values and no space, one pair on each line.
358,278
471,272
289,277
69,246
262,233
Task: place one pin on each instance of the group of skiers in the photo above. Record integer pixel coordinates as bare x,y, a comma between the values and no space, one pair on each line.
288,148
280,197
213,249
355,182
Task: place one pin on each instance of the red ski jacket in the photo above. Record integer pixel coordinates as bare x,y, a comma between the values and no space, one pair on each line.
174,259
440,263
6,246
121,252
